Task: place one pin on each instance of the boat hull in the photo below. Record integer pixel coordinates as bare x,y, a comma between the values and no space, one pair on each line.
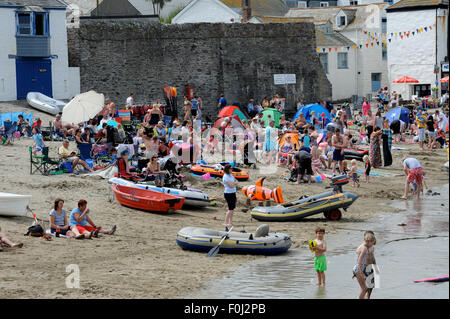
146,199
14,204
191,198
202,240
322,203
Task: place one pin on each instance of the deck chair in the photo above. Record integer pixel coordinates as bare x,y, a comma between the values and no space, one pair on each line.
134,177
8,132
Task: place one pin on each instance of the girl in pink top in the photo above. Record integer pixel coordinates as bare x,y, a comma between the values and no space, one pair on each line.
365,107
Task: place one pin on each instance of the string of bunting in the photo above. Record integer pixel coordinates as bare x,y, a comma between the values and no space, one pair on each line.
373,39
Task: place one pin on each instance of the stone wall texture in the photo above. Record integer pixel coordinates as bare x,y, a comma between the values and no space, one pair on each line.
238,60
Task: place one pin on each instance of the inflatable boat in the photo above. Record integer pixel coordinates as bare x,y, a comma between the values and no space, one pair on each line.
217,171
260,242
191,197
146,199
327,203
357,154
258,192
44,103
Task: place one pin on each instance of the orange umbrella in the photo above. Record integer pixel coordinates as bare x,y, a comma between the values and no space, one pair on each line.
405,79
444,79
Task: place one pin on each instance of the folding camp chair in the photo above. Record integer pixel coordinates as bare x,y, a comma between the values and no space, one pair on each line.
86,153
8,132
135,177
42,163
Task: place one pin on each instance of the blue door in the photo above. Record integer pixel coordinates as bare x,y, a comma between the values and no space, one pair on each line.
33,75
376,82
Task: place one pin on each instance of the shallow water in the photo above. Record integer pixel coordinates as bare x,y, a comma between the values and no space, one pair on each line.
404,253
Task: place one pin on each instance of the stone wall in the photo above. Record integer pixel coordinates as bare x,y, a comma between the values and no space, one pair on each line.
238,60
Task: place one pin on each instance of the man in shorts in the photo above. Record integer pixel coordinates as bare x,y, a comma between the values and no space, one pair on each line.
338,142
414,174
304,165
71,157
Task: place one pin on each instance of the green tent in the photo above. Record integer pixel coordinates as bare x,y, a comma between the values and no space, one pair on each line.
275,115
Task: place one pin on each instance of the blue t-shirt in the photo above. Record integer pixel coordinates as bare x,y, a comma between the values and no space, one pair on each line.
73,221
38,139
306,140
223,102
250,107
228,178
59,218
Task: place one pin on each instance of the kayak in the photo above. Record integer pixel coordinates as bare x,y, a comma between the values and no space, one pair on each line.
13,204
435,279
191,197
44,103
260,242
327,203
146,199
217,171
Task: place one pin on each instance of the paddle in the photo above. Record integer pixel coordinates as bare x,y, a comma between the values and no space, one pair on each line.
216,249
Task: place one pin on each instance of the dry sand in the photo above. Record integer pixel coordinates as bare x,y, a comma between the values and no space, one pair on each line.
142,259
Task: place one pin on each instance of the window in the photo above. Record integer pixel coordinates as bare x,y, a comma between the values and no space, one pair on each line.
341,21
301,4
24,24
324,60
384,53
342,60
383,25
353,3
32,23
324,4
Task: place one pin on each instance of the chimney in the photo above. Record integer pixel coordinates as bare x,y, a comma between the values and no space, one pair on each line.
246,10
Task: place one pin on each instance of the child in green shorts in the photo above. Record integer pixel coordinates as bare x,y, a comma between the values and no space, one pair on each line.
320,261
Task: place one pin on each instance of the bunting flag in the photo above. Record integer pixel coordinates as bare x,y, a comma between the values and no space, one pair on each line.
318,50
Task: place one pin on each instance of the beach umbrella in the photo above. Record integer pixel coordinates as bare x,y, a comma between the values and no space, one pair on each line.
112,123
444,79
405,79
234,119
233,110
83,107
398,113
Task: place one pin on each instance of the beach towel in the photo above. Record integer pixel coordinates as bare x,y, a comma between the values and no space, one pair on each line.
378,173
105,173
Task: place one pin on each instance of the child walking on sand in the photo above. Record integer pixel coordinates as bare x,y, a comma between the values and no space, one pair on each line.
366,256
320,261
367,166
354,173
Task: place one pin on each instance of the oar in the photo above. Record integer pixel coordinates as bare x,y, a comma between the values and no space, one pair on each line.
215,250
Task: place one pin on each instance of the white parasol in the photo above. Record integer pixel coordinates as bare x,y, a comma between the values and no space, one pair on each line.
83,107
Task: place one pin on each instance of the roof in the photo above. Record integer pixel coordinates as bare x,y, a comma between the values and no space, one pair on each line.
357,15
260,7
334,39
417,4
269,19
39,3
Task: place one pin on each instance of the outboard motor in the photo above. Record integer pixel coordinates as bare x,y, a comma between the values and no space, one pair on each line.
338,181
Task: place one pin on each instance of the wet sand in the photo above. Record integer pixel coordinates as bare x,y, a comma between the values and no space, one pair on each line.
142,259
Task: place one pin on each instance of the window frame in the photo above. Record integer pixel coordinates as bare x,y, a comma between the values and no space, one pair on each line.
346,60
324,4
384,53
32,33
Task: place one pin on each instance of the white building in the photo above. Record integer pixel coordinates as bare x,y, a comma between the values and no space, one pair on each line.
365,26
229,11
418,44
33,54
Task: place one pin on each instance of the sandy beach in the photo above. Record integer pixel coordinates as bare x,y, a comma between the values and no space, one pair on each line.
142,259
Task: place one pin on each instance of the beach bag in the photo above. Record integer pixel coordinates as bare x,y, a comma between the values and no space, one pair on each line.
35,231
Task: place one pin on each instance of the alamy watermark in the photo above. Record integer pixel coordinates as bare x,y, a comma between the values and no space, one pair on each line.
73,279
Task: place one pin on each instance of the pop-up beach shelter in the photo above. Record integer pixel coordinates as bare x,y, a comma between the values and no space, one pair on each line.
398,113
234,119
318,109
233,110
275,115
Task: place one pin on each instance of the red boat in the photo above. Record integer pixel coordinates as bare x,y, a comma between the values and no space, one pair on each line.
147,199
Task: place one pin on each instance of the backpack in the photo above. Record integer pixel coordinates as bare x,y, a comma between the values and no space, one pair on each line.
35,231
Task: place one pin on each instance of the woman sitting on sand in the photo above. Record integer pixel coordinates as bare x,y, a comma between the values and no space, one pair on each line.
6,242
79,220
154,171
58,219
